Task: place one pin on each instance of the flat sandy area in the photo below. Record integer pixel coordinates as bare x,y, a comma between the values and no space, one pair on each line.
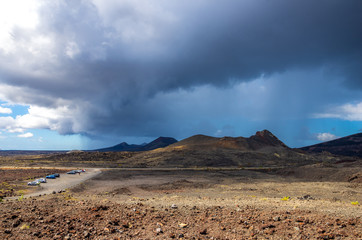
224,188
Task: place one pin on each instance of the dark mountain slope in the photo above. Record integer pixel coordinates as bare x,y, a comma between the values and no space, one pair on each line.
260,150
157,143
345,146
262,139
121,147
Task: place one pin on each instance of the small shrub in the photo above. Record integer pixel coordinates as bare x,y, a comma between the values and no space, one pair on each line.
277,155
20,192
68,197
24,226
285,198
355,203
21,197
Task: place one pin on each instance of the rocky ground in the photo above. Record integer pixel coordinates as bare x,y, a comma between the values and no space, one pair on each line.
61,216
189,204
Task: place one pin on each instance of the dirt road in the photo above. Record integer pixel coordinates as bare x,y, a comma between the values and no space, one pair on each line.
63,182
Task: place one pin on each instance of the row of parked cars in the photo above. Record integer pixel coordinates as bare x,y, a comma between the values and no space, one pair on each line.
43,180
52,176
76,171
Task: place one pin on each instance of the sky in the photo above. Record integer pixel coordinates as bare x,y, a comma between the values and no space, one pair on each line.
86,74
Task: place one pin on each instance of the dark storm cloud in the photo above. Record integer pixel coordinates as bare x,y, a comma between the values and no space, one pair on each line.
109,61
242,40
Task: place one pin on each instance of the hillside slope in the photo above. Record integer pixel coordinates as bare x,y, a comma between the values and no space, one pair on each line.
157,143
345,146
260,150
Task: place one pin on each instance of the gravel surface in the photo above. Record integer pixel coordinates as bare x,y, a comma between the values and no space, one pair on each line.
62,217
152,204
62,183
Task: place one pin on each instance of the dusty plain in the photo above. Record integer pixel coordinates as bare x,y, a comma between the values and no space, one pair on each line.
316,201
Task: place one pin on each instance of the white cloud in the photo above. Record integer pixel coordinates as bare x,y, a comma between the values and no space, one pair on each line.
26,135
16,13
5,122
326,137
57,119
12,129
6,110
351,112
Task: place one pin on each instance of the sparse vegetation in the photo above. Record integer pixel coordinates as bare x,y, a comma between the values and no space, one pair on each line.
25,226
74,159
21,197
20,192
68,196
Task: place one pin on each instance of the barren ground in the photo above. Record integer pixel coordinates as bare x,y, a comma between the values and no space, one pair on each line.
195,204
13,181
65,181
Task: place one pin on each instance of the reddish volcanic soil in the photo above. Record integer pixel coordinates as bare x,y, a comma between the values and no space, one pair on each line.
60,217
185,204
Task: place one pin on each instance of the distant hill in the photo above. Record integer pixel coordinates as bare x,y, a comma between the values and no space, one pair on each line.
345,146
157,143
262,139
261,149
28,152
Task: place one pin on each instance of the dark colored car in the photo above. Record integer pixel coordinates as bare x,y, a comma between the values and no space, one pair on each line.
56,174
52,176
72,172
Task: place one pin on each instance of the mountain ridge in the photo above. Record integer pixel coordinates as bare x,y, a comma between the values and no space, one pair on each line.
345,146
261,139
157,143
261,149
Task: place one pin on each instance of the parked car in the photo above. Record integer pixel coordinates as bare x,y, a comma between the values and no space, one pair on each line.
72,172
56,174
52,176
41,180
33,183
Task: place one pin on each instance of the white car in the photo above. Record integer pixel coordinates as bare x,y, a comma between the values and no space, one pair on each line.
41,180
33,183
